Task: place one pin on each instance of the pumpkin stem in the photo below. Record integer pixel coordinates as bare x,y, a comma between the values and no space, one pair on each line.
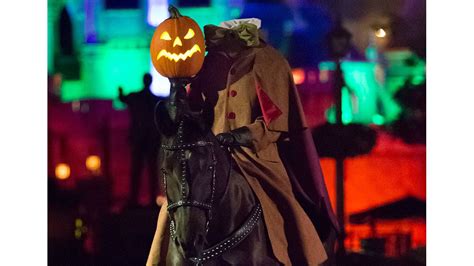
174,12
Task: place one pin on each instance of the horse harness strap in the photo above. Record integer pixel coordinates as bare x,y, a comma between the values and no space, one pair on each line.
181,147
233,240
187,145
189,203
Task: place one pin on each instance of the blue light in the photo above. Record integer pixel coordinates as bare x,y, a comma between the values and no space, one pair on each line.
160,85
157,12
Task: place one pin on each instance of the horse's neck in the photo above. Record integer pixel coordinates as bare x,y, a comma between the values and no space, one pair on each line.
233,207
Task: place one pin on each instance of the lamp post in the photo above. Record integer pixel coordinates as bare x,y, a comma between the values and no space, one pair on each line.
339,43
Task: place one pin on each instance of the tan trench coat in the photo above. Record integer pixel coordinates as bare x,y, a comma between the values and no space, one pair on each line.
293,238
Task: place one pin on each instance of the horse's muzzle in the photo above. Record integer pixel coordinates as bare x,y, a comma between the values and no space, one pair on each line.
191,249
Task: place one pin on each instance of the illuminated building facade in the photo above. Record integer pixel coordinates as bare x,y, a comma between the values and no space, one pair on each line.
99,45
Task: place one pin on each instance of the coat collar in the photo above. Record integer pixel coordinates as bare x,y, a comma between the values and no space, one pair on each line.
229,43
241,66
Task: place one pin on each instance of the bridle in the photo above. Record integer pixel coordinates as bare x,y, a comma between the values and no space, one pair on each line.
230,241
181,147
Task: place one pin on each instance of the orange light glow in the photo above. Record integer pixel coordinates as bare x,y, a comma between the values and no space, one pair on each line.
324,76
62,171
298,75
160,200
76,106
93,163
189,35
177,42
176,57
165,36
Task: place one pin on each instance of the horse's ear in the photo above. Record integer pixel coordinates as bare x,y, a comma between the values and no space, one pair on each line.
163,121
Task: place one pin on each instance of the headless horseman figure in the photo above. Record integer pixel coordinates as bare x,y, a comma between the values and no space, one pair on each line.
246,91
144,140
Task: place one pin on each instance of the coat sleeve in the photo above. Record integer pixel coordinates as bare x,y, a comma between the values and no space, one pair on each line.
159,246
261,136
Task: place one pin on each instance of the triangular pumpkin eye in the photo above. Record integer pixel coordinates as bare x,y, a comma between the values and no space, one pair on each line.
189,35
165,36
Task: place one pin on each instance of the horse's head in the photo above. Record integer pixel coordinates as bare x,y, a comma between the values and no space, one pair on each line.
189,162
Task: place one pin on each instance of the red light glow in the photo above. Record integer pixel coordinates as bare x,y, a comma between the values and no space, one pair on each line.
298,75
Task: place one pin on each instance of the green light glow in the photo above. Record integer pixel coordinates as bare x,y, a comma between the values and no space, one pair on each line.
378,119
71,90
104,69
347,107
51,42
403,66
235,12
347,116
364,96
418,80
122,56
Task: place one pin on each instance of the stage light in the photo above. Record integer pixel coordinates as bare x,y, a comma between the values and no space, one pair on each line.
80,228
62,171
93,163
76,106
298,75
79,222
380,33
160,200
324,76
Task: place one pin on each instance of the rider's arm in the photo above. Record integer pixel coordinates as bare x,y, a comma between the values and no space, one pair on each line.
255,136
261,136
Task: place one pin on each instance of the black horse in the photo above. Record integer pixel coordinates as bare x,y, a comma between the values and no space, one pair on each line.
215,218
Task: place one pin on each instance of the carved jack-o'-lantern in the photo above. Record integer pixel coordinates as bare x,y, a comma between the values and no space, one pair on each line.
177,47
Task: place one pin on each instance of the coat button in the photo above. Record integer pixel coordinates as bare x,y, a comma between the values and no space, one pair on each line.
233,93
231,115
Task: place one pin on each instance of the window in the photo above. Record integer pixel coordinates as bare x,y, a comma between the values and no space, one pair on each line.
121,4
193,3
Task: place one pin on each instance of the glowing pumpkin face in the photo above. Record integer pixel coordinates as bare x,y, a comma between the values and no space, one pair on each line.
177,47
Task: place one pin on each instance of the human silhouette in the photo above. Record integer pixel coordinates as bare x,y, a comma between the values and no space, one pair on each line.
144,139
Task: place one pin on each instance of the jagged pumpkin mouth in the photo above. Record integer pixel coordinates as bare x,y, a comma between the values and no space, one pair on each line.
176,57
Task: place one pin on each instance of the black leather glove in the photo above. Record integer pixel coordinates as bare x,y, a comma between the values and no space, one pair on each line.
226,139
237,137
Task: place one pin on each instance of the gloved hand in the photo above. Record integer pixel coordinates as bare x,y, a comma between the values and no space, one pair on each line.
237,137
226,139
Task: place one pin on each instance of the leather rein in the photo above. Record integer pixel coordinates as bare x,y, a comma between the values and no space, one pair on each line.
230,241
